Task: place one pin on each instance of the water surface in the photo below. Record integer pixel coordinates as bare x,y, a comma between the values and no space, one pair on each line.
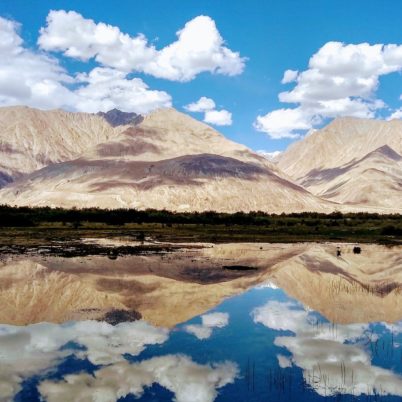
309,327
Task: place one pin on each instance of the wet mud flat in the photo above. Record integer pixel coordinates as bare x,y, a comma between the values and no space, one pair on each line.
79,248
66,238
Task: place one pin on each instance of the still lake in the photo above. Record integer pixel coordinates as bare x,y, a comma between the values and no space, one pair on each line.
308,327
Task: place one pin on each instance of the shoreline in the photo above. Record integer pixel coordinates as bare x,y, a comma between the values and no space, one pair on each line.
157,238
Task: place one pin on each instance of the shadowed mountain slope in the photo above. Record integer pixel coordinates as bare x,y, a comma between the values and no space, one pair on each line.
170,161
31,139
351,161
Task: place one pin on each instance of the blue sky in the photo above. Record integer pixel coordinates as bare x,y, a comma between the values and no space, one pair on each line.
272,36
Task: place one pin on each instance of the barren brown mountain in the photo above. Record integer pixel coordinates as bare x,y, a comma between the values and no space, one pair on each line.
167,161
31,139
351,161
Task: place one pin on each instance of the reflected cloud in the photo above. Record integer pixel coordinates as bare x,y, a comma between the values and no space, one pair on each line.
25,351
284,361
189,381
39,348
209,322
267,285
395,328
333,357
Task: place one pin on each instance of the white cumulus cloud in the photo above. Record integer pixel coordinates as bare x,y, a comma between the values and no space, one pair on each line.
38,348
341,80
199,47
105,88
396,114
29,78
202,105
35,79
284,361
289,76
283,123
218,117
211,115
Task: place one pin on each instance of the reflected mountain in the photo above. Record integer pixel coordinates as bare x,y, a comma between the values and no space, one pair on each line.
351,288
170,288
165,289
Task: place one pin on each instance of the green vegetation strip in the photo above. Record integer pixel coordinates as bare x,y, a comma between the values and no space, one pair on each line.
33,227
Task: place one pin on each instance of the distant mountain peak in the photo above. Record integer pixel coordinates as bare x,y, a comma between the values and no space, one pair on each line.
116,117
388,152
351,161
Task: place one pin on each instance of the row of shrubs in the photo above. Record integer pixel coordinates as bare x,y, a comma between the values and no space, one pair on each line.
26,217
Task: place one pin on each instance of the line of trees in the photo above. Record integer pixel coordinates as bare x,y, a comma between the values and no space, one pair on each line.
26,216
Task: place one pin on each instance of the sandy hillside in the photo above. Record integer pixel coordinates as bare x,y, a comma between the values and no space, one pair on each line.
168,161
31,139
351,161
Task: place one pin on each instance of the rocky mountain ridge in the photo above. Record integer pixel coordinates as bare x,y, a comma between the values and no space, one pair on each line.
350,161
168,160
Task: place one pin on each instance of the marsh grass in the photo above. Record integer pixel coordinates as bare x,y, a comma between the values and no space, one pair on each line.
343,285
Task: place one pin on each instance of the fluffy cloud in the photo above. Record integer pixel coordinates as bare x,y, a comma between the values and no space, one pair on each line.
202,105
334,359
199,47
189,381
27,77
105,88
341,80
215,320
280,316
218,117
283,123
35,79
396,114
209,322
83,39
289,76
211,115
199,331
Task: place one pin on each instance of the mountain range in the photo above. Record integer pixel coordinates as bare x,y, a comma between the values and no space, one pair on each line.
168,160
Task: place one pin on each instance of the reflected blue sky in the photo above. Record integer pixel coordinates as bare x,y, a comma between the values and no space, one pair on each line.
259,346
